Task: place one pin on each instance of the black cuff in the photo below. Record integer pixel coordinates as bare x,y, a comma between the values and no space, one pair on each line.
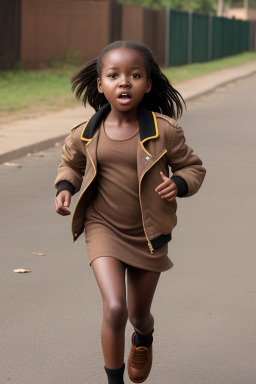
181,184
65,186
161,240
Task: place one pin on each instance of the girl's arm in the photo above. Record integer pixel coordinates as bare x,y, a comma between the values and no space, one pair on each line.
73,162
184,162
70,172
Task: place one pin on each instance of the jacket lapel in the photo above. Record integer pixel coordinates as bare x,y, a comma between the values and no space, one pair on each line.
93,123
147,126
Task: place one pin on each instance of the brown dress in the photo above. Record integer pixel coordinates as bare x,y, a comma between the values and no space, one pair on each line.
113,223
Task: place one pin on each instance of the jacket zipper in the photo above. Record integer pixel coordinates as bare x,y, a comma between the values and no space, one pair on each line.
83,192
149,243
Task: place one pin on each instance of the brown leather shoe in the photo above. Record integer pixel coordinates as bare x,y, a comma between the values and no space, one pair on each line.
139,362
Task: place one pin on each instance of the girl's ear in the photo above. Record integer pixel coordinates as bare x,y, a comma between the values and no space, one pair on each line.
99,85
149,85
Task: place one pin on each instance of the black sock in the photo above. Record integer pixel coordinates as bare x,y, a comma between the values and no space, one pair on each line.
115,376
143,340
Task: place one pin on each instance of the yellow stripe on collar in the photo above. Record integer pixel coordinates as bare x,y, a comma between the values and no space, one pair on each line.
151,137
83,138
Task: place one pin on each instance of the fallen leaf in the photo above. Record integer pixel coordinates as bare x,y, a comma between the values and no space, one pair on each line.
36,154
21,270
12,165
38,254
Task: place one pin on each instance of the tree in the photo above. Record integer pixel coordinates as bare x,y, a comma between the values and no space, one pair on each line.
202,6
146,3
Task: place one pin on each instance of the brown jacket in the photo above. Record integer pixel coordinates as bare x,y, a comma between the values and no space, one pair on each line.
162,145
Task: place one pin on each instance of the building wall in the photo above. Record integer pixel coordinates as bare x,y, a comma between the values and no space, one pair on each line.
252,14
241,13
51,28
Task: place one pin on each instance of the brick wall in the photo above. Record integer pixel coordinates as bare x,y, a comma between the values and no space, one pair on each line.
50,28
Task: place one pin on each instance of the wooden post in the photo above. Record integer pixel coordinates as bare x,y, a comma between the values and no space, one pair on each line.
115,21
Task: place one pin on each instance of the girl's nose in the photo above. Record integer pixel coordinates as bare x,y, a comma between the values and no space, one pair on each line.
124,82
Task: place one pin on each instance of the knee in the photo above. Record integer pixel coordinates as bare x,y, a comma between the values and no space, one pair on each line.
115,314
139,319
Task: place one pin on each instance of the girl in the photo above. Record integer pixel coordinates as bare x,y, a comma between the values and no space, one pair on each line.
128,206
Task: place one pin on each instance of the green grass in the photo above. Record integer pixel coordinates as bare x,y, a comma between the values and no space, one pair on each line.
186,72
30,93
20,88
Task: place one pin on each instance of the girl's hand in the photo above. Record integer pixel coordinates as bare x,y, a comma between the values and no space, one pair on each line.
62,203
167,189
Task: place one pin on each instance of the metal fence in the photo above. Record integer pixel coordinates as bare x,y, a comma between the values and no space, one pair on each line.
192,37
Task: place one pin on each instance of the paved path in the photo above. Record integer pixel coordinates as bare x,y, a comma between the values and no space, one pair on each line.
204,307
25,136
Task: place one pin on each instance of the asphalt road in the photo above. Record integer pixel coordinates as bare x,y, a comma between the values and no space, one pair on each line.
205,307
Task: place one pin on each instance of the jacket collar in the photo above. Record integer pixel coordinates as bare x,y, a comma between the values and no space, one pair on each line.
147,124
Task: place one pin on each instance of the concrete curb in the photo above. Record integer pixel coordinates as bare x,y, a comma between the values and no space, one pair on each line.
45,144
23,151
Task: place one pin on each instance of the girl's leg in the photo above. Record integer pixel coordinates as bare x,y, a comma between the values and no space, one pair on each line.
110,275
141,288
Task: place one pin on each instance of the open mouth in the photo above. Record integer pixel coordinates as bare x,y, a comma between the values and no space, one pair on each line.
124,96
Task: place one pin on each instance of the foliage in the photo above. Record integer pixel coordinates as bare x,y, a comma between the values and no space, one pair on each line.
36,92
200,6
146,3
240,3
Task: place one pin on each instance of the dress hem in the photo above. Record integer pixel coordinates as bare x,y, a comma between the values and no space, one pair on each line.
132,264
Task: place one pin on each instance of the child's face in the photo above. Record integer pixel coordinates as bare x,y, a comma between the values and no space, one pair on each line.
124,79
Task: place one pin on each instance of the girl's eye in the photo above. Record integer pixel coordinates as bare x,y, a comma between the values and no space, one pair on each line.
135,75
112,75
